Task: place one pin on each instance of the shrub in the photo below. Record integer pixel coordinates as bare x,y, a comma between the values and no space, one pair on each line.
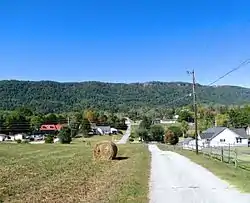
18,141
143,134
65,136
157,133
171,138
49,139
176,130
25,142
131,140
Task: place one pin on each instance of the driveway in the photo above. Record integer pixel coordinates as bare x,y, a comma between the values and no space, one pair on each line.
176,179
125,137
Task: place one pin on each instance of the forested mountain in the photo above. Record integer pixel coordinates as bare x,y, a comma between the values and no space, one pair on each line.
48,96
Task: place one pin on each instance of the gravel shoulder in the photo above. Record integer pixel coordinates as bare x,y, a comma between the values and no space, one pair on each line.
176,179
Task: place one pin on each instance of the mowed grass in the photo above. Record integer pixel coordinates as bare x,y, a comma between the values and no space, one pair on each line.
235,176
67,173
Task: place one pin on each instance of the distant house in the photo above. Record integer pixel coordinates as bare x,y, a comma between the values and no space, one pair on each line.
19,136
157,121
223,136
168,121
2,137
104,130
51,128
101,129
15,137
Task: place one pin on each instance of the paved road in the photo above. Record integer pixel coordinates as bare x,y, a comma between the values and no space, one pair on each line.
176,179
125,137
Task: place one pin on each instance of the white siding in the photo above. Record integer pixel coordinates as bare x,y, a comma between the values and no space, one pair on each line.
248,131
1,138
227,137
18,137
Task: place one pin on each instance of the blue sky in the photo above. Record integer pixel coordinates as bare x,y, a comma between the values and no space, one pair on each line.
125,40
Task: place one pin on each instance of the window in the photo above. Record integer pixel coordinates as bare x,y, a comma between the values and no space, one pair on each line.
238,139
222,140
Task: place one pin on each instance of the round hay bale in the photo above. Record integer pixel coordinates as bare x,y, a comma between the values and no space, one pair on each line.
106,150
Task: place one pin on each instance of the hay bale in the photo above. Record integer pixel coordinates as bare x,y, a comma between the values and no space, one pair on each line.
106,150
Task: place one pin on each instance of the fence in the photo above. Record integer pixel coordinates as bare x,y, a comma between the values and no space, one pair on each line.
238,156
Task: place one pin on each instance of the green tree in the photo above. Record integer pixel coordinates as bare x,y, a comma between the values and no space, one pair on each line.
36,122
142,133
145,123
16,123
184,128
185,115
51,119
2,124
176,130
222,120
157,133
85,127
49,139
65,135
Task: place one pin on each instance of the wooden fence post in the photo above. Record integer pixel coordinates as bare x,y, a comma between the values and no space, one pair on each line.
229,154
236,159
221,154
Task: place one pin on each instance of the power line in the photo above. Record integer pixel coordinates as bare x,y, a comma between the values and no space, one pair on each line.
244,63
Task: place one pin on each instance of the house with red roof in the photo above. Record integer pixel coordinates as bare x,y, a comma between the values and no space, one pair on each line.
51,127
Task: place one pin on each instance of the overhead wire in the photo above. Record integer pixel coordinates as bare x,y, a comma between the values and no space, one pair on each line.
242,64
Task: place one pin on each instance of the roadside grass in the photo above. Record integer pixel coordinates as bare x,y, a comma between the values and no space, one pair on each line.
67,173
235,176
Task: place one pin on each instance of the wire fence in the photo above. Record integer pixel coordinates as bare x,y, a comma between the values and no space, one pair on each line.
239,156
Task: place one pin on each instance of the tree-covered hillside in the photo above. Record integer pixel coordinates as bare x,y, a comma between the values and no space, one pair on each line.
47,96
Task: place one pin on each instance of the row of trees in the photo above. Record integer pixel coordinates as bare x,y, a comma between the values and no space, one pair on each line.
24,120
149,132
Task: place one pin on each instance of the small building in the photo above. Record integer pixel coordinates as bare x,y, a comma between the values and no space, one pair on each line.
168,121
19,136
104,130
51,128
223,136
2,137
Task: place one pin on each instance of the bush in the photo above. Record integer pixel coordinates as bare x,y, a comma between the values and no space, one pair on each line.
176,130
171,138
143,134
157,133
18,141
49,139
131,140
65,136
25,142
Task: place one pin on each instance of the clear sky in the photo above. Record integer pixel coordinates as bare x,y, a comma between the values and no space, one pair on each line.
124,40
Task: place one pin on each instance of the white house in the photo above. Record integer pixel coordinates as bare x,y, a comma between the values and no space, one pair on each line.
222,136
168,121
16,137
2,137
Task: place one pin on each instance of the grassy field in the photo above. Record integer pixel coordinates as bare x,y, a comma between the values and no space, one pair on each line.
67,173
235,176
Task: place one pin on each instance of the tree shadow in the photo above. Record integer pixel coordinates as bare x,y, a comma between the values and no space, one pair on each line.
119,158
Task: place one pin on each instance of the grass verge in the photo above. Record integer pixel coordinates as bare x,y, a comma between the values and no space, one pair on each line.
67,173
235,176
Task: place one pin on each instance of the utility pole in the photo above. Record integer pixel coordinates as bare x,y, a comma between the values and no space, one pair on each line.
195,111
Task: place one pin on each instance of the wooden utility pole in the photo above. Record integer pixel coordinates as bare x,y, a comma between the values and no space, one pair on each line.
195,111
